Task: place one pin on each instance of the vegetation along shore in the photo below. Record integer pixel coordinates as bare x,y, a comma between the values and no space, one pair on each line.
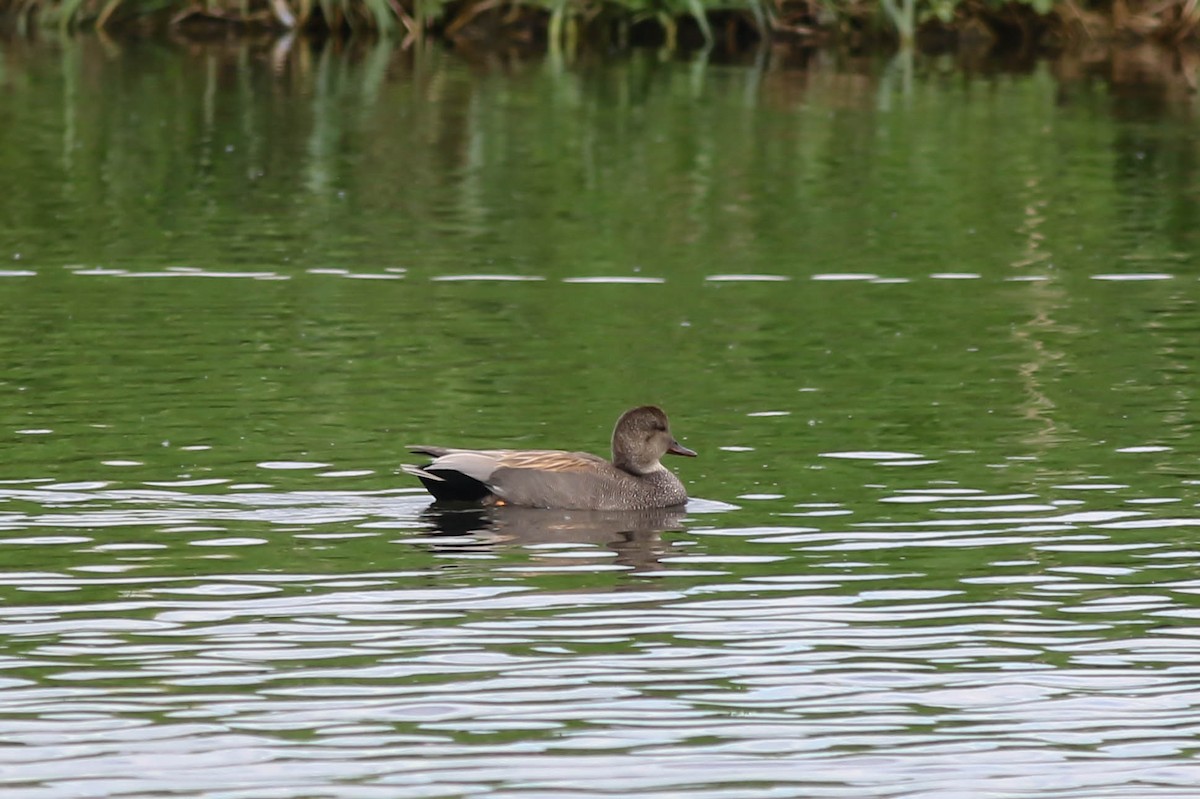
568,24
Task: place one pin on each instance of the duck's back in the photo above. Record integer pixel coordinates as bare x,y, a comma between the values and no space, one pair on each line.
550,479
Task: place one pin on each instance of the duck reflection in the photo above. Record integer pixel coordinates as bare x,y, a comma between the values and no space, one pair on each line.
635,536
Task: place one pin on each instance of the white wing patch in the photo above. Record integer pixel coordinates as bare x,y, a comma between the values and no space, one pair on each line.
476,465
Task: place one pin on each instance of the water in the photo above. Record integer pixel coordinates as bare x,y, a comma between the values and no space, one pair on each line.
931,332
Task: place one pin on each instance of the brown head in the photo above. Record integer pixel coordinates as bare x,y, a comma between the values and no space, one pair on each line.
640,439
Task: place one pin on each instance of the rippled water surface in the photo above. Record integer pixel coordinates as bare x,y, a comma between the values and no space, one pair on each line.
933,335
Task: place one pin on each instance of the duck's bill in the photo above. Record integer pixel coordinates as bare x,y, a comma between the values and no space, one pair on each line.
679,449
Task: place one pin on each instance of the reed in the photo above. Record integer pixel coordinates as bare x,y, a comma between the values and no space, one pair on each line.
563,24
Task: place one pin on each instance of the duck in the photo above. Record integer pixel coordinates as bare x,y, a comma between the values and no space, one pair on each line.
634,479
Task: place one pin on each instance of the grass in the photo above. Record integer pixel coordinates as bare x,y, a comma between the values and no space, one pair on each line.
563,24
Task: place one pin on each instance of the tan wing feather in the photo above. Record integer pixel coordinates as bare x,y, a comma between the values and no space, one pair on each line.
548,460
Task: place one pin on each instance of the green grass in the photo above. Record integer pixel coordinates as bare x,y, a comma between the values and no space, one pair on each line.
562,24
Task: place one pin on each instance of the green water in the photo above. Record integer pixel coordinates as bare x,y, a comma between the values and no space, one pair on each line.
933,334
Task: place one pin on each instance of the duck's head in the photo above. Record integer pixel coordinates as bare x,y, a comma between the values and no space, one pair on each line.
640,439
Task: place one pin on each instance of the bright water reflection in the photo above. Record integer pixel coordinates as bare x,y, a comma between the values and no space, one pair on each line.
934,342
1008,644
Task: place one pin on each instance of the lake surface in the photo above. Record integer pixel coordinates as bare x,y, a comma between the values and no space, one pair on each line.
933,332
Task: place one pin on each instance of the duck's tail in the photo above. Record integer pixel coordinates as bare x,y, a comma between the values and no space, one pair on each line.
447,485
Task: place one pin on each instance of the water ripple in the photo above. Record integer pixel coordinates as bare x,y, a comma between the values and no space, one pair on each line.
949,642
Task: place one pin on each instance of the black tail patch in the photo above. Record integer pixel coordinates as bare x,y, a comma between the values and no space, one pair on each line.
454,487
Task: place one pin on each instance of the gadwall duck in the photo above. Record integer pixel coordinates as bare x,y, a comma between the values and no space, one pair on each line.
634,480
